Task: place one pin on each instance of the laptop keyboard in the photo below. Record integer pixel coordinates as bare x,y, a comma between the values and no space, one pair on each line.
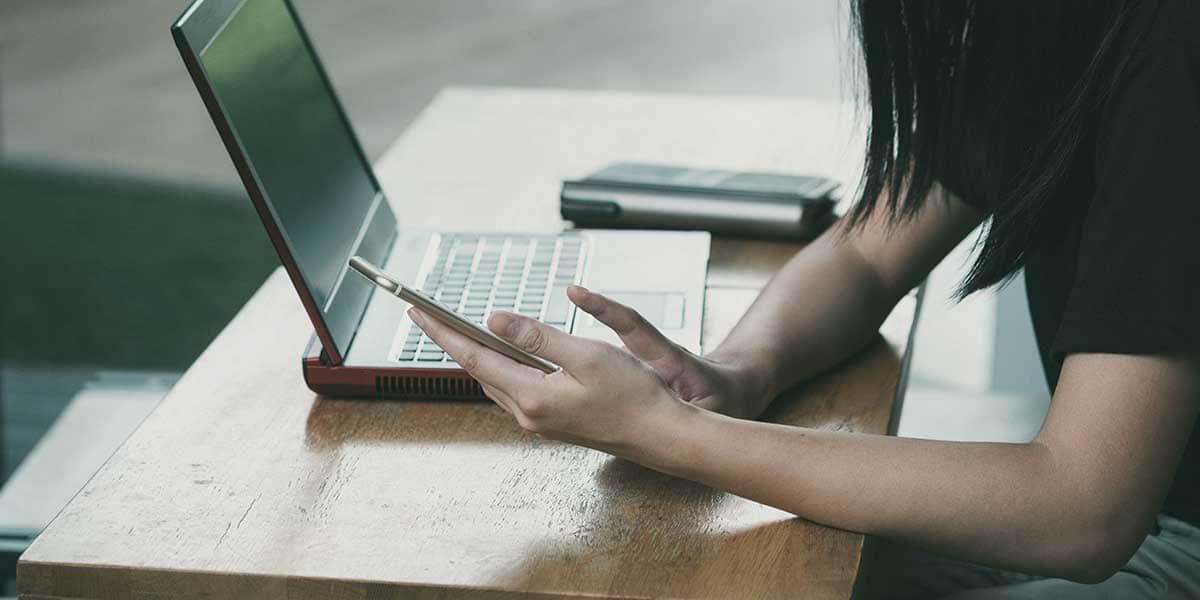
475,275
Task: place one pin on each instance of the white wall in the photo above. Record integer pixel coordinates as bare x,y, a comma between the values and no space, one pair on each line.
976,374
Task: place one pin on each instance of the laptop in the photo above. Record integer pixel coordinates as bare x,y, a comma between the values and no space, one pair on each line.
317,197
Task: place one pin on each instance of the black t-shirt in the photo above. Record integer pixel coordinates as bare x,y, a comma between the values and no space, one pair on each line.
1121,272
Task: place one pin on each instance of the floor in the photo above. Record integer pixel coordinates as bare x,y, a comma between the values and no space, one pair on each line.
100,84
115,182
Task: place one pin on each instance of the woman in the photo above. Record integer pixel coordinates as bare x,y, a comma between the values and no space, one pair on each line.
1073,128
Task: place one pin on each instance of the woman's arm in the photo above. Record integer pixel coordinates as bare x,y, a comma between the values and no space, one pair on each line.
829,300
1074,503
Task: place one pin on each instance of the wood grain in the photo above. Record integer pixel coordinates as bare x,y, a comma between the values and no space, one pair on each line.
243,483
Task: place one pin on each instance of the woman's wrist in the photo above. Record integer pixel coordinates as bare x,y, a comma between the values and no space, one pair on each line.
668,441
753,376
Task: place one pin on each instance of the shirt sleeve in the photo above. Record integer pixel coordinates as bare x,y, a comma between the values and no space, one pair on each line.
1137,281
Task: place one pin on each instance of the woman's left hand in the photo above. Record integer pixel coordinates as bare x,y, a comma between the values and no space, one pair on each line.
603,397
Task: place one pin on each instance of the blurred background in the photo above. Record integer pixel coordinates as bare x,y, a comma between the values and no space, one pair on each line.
127,241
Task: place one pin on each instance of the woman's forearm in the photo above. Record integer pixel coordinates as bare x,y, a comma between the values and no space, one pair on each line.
1000,504
831,297
825,304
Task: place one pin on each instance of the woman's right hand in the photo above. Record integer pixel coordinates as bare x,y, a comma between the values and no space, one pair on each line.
715,385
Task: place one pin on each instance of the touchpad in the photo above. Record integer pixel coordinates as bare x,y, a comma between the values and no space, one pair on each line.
663,310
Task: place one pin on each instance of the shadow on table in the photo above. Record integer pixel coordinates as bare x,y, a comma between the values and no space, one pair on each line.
333,422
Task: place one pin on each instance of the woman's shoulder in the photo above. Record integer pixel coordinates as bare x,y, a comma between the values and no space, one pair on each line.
1172,26
1181,9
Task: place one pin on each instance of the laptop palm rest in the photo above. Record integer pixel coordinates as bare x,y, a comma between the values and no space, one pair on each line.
664,310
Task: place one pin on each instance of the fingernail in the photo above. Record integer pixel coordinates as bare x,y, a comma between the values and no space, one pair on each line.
416,317
502,323
584,298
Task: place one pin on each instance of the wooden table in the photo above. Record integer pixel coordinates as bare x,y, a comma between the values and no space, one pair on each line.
243,483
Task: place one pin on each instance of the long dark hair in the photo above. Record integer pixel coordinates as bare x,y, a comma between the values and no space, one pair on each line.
995,99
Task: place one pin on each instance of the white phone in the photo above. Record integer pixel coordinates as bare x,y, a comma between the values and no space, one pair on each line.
448,317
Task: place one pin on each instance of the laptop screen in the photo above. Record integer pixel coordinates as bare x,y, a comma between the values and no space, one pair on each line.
291,130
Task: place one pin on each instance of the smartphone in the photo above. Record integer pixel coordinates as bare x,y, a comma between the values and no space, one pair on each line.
453,320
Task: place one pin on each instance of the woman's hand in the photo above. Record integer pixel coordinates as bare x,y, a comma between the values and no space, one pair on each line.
708,382
603,397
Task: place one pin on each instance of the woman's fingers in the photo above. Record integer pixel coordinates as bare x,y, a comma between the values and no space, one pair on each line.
485,365
538,338
641,338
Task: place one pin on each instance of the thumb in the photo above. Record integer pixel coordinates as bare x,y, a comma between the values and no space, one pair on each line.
641,338
536,338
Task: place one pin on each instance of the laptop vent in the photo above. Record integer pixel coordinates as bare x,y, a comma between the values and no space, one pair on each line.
428,387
